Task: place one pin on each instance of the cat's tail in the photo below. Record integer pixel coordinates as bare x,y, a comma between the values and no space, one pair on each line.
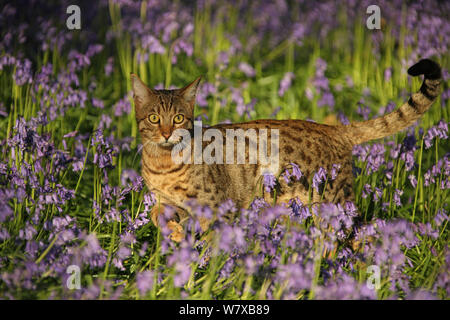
408,113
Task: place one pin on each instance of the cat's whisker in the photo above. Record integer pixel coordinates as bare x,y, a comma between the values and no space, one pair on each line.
139,150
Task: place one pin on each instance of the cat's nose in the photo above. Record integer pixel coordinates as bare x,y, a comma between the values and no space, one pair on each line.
166,135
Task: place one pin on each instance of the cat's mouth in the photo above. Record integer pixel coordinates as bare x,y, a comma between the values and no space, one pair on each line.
169,144
166,144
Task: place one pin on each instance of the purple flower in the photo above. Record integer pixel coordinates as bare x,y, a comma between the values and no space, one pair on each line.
236,97
252,263
207,89
413,180
421,295
349,81
387,74
113,215
149,201
393,235
397,195
309,94
231,237
143,249
183,46
200,211
97,103
130,176
247,69
28,232
92,253
388,109
144,281
441,217
435,171
395,151
319,177
5,210
345,288
103,156
123,253
259,203
299,210
23,73
246,108
152,44
223,59
298,32
227,268
181,260
426,229
3,111
226,207
295,172
327,99
4,234
275,112
373,155
122,107
363,110
343,119
93,49
78,61
367,189
109,66
439,131
269,182
295,276
350,209
285,83
332,215
334,171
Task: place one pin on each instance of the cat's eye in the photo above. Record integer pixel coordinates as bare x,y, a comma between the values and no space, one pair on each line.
178,118
153,118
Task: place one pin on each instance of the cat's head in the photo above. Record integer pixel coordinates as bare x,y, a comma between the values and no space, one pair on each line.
160,112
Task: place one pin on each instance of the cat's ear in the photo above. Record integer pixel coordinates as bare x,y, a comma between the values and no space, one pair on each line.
140,90
189,92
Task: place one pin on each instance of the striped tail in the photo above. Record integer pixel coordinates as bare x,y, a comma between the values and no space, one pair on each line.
408,113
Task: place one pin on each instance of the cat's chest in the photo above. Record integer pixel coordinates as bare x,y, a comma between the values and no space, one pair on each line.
169,181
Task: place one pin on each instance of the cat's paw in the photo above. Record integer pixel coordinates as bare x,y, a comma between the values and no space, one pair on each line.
177,234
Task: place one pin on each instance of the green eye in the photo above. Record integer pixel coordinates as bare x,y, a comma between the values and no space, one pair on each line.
154,118
178,118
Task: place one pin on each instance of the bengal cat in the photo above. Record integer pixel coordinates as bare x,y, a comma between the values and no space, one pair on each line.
306,144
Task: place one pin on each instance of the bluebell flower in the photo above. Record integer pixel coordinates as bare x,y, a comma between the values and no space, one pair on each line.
269,182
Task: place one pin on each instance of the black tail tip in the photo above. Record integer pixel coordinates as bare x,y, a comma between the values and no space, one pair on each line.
427,67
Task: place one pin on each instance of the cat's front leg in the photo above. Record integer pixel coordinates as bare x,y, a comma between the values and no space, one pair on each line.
175,216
